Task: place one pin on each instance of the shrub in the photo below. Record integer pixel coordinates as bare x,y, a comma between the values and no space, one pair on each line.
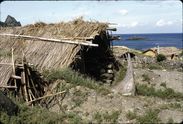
160,57
167,93
79,97
146,78
154,66
150,116
121,74
131,115
181,54
107,117
163,84
38,115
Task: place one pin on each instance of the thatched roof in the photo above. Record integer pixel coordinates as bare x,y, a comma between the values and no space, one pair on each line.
45,55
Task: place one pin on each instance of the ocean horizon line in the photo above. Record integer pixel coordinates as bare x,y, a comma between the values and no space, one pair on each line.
146,33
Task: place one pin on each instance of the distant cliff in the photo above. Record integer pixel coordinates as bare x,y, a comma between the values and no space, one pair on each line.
10,22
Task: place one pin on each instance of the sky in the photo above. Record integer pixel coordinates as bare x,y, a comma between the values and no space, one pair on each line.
161,16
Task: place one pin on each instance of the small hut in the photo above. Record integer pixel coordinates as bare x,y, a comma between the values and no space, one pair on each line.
82,45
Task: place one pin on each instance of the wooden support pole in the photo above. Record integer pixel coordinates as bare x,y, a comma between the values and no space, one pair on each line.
13,64
24,81
66,40
31,81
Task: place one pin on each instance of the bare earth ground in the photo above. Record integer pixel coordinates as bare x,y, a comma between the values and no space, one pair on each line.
87,102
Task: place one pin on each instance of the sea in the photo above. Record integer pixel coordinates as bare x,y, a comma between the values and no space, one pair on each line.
150,40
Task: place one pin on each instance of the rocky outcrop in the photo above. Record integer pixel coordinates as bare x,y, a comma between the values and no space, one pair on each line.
10,22
7,105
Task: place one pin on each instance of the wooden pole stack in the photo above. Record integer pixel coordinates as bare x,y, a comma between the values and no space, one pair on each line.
23,84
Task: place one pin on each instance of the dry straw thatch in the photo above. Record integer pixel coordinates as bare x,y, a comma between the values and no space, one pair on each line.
45,55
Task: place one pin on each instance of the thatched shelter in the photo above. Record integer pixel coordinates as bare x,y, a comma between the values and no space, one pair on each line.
53,55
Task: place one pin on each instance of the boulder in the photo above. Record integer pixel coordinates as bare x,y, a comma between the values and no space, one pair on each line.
7,105
107,76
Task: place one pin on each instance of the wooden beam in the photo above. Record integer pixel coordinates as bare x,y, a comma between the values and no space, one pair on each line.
15,77
111,29
69,41
43,97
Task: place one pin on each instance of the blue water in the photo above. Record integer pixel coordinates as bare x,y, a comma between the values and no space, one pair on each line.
151,40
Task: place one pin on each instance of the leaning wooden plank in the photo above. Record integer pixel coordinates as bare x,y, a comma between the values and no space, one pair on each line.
8,87
85,43
43,97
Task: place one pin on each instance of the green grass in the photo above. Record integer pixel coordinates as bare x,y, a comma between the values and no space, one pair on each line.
146,78
181,54
150,116
154,66
160,58
75,78
167,93
38,115
79,97
163,84
121,74
131,115
106,117
175,105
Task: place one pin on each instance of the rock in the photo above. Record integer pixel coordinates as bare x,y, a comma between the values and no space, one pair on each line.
109,66
11,21
7,105
102,71
165,115
107,76
108,81
110,71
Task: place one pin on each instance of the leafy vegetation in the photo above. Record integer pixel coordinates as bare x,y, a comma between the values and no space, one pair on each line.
75,78
38,115
181,54
146,78
163,84
154,66
107,117
167,93
79,98
160,57
150,116
131,115
121,74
